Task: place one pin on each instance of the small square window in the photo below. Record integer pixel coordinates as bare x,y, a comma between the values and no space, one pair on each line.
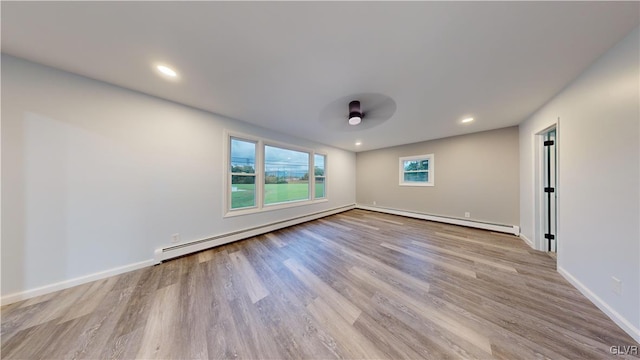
417,170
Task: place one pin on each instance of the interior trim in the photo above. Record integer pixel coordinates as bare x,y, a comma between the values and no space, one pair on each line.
170,252
43,290
509,229
624,324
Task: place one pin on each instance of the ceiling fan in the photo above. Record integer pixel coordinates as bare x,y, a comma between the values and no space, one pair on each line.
366,110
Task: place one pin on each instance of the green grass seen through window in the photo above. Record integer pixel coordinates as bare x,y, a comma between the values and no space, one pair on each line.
244,194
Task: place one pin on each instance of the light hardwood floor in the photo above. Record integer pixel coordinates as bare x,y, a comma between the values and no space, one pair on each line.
354,285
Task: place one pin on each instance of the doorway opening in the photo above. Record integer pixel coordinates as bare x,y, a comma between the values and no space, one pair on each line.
547,190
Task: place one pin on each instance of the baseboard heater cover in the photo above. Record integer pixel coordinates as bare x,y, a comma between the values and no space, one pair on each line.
170,252
509,229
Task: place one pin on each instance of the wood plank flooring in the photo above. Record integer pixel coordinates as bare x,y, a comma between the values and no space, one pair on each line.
354,285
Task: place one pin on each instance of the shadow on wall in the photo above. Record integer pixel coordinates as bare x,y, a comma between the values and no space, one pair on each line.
76,200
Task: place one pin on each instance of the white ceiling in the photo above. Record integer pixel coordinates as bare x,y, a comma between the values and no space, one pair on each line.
280,65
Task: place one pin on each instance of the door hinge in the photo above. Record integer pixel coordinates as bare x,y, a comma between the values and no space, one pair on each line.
549,236
548,142
549,190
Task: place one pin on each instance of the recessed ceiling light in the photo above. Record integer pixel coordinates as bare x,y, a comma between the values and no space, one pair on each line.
165,70
358,143
467,120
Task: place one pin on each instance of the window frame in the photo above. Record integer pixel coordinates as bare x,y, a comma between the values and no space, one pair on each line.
324,177
264,170
228,174
430,172
260,168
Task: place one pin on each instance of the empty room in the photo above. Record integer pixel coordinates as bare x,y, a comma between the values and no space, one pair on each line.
319,180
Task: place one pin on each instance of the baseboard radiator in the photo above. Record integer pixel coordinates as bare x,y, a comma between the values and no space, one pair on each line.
174,251
509,229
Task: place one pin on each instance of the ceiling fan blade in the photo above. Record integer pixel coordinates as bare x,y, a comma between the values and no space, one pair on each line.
379,108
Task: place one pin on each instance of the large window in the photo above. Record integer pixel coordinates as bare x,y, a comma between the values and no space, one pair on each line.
417,170
286,175
265,175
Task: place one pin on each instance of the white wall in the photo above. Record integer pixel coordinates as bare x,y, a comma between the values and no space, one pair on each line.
96,177
471,171
599,181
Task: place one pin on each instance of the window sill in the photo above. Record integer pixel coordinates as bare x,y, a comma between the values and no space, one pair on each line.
417,184
266,208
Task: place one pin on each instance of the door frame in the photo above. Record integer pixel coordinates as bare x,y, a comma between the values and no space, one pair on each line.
540,242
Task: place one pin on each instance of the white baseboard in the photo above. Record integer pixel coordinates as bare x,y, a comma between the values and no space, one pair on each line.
168,253
28,294
624,324
171,252
509,229
526,239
